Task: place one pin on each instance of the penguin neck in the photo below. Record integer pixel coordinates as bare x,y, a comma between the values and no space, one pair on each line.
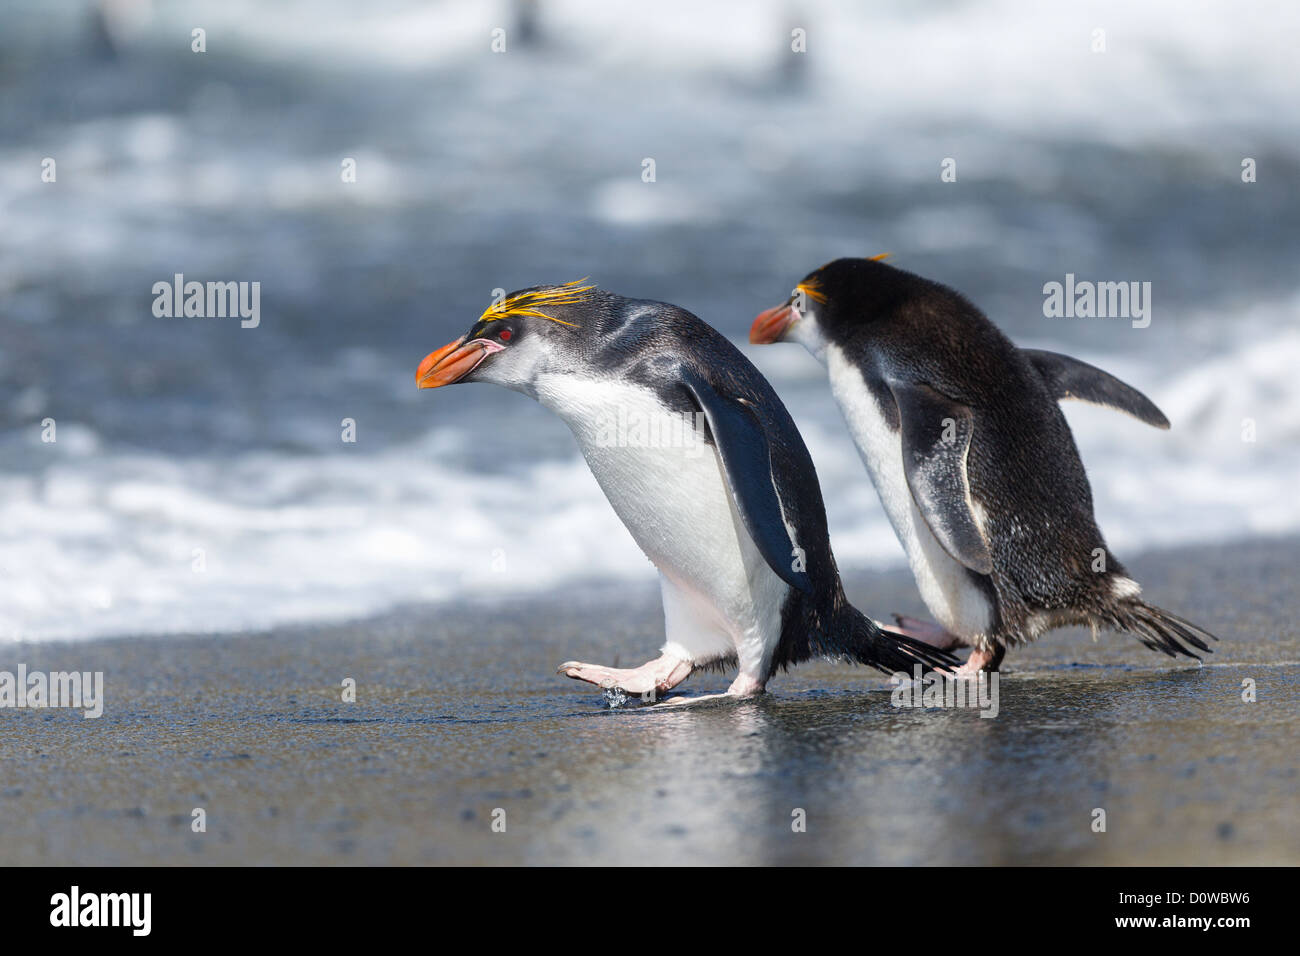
554,392
585,403
808,333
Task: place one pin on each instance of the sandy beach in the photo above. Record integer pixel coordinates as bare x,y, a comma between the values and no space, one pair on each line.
460,722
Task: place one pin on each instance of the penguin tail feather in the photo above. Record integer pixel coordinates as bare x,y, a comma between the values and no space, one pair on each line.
865,643
1160,630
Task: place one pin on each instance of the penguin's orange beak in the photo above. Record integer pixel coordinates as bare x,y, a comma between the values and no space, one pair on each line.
771,325
453,362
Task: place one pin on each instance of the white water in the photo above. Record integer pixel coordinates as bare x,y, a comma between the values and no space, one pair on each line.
99,543
100,538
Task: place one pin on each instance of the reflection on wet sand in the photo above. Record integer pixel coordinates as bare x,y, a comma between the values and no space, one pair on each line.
457,727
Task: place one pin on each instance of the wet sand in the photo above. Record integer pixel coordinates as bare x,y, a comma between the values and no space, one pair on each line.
459,715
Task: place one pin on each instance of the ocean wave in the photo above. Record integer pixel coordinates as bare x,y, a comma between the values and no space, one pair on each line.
188,490
98,543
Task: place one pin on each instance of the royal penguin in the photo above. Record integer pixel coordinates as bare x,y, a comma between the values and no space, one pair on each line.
727,507
975,465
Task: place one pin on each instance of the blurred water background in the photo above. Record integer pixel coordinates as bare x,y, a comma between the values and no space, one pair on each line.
187,443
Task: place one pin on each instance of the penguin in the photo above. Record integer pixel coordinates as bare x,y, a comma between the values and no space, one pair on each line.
973,460
705,468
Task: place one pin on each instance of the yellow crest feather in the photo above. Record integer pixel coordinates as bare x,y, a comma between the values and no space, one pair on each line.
531,303
812,288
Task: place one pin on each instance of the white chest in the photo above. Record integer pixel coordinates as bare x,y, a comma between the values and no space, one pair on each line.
955,601
666,485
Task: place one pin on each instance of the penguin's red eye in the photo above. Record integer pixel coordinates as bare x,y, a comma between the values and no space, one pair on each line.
506,335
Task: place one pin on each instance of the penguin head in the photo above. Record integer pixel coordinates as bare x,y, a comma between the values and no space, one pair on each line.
529,333
824,304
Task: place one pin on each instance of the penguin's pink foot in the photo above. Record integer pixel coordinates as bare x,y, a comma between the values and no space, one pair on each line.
981,660
927,632
742,687
745,686
658,676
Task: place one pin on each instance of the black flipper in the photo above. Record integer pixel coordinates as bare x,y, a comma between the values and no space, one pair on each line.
1069,378
747,465
936,435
